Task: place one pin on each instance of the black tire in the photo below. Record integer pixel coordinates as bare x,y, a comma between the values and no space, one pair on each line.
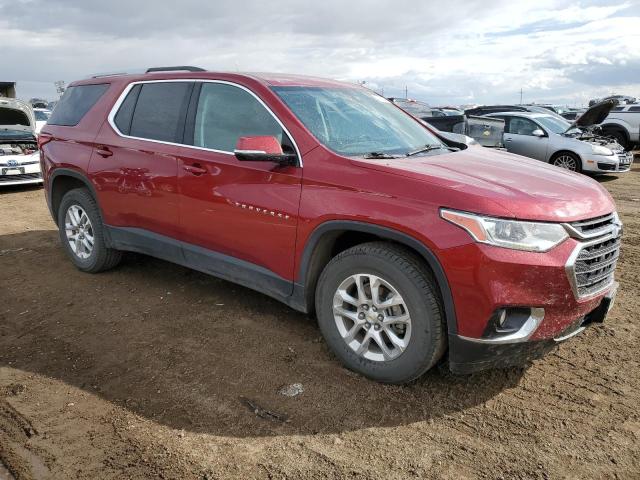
558,158
619,137
101,257
414,282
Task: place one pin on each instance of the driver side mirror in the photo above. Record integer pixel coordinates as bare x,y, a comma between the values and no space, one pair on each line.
263,149
538,132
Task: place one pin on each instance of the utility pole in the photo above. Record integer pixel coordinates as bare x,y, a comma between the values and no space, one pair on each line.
520,95
406,92
60,87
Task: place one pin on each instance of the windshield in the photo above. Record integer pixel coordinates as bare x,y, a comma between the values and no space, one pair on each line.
554,124
42,116
356,122
10,133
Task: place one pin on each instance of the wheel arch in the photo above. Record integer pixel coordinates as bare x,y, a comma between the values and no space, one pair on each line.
618,127
332,237
63,180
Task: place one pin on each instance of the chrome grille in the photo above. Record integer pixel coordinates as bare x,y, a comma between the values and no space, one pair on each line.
594,226
592,266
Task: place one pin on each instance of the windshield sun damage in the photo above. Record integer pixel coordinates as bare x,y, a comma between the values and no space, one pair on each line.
356,122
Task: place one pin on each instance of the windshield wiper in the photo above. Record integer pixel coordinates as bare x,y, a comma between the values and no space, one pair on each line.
379,155
430,147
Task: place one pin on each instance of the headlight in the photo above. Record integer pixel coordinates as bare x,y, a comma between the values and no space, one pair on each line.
514,234
600,150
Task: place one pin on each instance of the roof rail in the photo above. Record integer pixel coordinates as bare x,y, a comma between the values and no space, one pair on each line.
185,68
108,74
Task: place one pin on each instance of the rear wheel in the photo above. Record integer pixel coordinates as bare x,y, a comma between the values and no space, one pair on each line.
568,161
379,310
82,233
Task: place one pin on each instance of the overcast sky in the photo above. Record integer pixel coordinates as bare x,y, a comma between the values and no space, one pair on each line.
451,52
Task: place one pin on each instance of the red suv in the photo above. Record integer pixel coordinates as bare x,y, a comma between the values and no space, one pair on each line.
406,244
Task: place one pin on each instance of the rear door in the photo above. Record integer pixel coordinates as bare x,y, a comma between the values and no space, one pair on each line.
519,138
245,210
134,164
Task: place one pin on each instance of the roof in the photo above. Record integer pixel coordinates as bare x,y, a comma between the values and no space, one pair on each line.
268,79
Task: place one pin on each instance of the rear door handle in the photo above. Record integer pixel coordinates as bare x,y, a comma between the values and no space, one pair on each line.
195,169
104,151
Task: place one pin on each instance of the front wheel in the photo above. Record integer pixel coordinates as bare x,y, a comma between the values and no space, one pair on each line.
568,161
380,312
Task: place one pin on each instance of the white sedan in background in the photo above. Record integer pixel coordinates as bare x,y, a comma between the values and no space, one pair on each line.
42,115
19,157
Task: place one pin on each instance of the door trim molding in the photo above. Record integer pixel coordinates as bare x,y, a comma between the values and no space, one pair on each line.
203,260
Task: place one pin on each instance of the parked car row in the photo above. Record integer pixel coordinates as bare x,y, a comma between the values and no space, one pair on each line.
622,99
595,142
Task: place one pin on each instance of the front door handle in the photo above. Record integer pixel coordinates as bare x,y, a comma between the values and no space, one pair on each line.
103,151
195,169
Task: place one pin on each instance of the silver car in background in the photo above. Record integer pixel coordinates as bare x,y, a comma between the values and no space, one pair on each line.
575,146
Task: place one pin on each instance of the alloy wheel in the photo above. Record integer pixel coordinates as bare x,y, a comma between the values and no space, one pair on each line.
567,162
79,231
372,317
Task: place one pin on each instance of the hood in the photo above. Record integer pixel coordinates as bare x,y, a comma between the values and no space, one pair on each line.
16,115
595,114
502,184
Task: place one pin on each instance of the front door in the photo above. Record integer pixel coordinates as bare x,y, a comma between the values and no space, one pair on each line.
236,213
519,138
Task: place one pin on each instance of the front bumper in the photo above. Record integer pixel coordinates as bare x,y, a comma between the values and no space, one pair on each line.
617,163
470,355
23,171
513,305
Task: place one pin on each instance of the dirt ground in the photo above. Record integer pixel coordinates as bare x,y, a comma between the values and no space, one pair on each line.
155,371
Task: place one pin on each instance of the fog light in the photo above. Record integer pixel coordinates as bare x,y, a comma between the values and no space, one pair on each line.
513,324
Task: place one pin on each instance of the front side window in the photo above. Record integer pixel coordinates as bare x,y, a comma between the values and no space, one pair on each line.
355,121
226,113
522,126
160,111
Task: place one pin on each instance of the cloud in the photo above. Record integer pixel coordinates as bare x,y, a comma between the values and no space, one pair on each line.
463,52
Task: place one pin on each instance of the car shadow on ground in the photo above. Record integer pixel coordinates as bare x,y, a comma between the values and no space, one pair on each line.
5,189
197,353
605,178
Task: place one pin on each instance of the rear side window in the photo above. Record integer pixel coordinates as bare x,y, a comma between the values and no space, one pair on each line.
226,113
75,103
125,112
634,109
160,111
